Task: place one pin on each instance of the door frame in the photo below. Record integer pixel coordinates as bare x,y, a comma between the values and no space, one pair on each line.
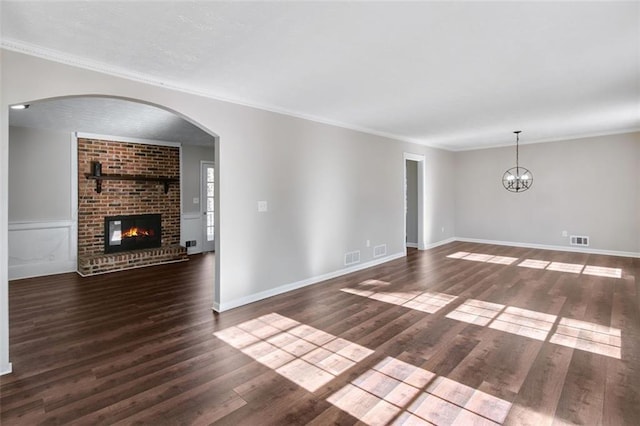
203,207
420,159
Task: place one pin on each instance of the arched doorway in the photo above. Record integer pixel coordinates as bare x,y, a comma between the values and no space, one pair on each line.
59,121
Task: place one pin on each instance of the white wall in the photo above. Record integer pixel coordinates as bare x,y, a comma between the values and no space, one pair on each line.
328,189
587,186
191,157
39,175
41,236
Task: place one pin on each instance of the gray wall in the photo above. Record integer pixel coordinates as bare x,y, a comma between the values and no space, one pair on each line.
412,202
329,189
191,157
39,175
587,186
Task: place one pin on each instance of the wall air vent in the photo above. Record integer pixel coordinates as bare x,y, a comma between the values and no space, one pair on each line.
380,250
352,257
582,241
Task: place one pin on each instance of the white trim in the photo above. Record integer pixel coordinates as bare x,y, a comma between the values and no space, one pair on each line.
412,245
126,139
181,186
221,307
79,62
6,369
38,268
103,68
549,140
73,232
550,247
30,226
413,157
440,243
421,168
203,207
19,272
191,216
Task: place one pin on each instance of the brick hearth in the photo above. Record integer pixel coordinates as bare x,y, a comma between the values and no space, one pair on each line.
126,197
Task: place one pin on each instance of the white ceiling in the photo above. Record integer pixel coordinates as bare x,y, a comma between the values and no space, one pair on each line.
458,75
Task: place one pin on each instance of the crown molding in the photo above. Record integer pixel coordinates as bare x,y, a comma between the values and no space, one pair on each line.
549,140
103,68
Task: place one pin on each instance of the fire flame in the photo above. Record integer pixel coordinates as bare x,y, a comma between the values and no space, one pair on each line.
137,232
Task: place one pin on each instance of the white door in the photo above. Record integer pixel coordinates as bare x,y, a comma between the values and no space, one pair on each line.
207,197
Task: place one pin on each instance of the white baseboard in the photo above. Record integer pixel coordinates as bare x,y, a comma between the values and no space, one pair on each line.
6,369
221,307
438,243
550,247
412,245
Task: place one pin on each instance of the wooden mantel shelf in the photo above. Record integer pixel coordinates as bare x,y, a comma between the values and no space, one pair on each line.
99,178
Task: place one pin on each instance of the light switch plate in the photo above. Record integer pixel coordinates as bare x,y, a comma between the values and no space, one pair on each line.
262,206
196,200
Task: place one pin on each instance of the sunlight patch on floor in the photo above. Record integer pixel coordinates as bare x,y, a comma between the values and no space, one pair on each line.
587,336
602,271
523,322
534,264
395,392
572,268
476,312
480,257
423,301
305,355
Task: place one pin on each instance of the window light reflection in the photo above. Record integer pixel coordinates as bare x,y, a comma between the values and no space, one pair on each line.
394,389
480,257
573,268
587,336
423,301
602,271
534,264
476,312
305,355
523,322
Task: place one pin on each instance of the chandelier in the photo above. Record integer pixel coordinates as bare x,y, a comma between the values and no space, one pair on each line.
517,179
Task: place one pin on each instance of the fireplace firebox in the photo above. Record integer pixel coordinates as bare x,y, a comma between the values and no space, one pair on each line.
132,232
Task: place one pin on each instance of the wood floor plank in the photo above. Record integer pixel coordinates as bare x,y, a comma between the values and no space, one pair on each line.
520,334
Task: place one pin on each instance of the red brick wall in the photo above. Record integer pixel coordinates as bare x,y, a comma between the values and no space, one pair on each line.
125,197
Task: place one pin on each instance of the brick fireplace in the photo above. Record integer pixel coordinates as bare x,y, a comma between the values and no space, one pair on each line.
135,180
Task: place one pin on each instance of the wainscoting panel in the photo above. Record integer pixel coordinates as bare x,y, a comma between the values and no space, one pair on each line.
192,230
41,248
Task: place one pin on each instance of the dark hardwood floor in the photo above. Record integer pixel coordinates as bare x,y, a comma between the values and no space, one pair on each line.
461,334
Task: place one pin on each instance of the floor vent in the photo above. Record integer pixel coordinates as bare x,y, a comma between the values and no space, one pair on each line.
575,240
352,257
380,250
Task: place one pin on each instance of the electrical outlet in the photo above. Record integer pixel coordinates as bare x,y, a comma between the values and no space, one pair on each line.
262,206
196,200
368,243
565,234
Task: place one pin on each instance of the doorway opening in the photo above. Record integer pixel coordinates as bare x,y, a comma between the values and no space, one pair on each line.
414,165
